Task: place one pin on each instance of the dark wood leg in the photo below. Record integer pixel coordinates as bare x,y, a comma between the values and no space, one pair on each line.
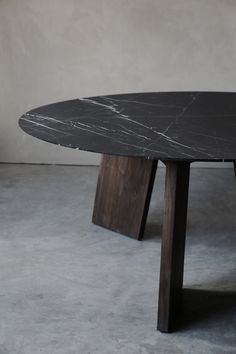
123,194
235,168
173,243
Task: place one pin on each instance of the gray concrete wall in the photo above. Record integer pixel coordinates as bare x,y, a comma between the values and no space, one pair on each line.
56,50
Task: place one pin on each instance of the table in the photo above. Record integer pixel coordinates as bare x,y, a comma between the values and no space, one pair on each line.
134,131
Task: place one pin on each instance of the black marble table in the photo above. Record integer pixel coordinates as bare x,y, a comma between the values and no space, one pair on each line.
134,131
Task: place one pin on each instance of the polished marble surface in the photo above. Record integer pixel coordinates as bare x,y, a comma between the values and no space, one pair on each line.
192,126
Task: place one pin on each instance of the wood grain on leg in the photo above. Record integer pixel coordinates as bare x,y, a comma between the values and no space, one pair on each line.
173,243
123,194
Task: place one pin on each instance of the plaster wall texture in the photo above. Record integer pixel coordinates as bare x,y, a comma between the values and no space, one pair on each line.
57,50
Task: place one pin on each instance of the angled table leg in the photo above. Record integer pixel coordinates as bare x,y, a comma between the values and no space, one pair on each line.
173,243
123,194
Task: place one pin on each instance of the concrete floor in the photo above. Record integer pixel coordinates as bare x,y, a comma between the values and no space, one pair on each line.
70,287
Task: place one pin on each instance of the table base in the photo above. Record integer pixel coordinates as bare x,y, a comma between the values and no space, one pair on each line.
121,204
173,243
123,194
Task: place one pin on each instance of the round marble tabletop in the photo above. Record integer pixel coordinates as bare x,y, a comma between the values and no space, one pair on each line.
188,126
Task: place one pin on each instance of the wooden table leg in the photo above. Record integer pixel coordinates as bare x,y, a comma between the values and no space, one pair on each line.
123,194
173,243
